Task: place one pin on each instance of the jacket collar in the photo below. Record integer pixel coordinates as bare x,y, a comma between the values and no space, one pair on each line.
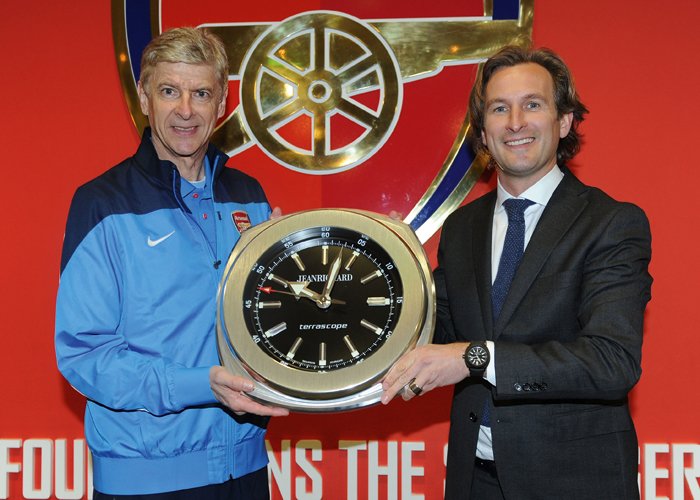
563,209
481,241
163,170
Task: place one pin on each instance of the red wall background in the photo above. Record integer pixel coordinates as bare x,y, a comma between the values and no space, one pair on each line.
63,121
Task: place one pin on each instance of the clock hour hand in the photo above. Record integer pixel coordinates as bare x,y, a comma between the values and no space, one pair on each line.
302,291
332,275
299,290
296,287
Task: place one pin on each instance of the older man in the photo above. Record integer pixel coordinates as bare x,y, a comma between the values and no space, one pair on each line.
135,320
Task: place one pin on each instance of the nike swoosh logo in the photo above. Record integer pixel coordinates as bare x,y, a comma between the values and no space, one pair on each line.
152,243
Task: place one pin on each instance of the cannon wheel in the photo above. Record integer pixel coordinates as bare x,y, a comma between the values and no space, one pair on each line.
316,65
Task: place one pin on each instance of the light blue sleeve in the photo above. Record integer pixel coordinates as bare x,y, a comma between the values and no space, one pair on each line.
92,352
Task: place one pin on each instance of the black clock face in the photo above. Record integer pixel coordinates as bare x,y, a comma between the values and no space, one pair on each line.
477,356
322,299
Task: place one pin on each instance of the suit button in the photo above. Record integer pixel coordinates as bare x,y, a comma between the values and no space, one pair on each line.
472,416
527,387
518,387
544,386
536,387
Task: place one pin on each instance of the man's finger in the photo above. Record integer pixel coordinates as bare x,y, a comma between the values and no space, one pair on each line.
276,213
240,402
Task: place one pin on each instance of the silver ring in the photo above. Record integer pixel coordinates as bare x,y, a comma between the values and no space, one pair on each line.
414,388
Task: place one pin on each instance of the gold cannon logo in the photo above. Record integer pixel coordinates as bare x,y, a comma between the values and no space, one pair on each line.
372,107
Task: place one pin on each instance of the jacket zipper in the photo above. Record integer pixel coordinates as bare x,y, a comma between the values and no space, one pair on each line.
198,230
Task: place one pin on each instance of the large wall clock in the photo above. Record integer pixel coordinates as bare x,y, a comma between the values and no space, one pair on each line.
316,307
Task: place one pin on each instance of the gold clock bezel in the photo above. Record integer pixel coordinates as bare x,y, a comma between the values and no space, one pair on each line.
357,385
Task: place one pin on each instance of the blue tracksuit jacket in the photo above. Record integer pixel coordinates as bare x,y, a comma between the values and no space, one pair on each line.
135,326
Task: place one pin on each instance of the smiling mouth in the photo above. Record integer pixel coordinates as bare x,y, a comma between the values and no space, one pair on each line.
520,142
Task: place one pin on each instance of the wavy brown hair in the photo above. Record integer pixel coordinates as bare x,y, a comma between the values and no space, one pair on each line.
565,96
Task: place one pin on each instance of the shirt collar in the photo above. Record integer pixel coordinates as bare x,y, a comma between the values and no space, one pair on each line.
540,192
187,188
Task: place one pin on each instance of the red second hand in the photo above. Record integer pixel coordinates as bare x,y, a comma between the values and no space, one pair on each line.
269,289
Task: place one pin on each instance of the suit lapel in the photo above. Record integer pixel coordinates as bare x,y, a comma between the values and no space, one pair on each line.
564,207
481,248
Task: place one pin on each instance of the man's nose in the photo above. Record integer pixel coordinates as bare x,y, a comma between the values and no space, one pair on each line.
516,120
184,107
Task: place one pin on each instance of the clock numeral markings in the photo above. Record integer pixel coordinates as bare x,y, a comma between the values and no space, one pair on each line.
271,304
353,350
371,327
322,354
351,260
378,301
295,347
324,255
298,262
281,281
370,277
279,328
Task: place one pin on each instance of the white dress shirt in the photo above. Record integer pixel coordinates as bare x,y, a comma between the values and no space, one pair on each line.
540,193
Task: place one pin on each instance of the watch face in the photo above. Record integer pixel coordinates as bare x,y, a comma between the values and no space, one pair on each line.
316,307
477,356
322,299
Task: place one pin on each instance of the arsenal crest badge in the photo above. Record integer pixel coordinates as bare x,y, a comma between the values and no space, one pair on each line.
240,220
367,101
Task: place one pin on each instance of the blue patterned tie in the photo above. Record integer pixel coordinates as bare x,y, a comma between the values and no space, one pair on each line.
513,248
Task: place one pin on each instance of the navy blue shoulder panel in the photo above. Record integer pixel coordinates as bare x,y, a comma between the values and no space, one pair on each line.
235,186
122,189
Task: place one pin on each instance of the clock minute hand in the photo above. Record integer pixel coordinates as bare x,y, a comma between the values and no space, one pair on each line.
332,275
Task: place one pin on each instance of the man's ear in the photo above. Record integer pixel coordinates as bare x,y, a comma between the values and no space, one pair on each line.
565,122
222,104
143,98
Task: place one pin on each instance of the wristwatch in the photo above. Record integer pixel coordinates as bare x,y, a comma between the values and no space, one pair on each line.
477,357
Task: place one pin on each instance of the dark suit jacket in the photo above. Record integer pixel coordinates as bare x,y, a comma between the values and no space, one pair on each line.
568,346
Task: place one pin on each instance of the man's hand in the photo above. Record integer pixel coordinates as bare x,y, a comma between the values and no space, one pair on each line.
425,368
393,214
231,390
276,213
